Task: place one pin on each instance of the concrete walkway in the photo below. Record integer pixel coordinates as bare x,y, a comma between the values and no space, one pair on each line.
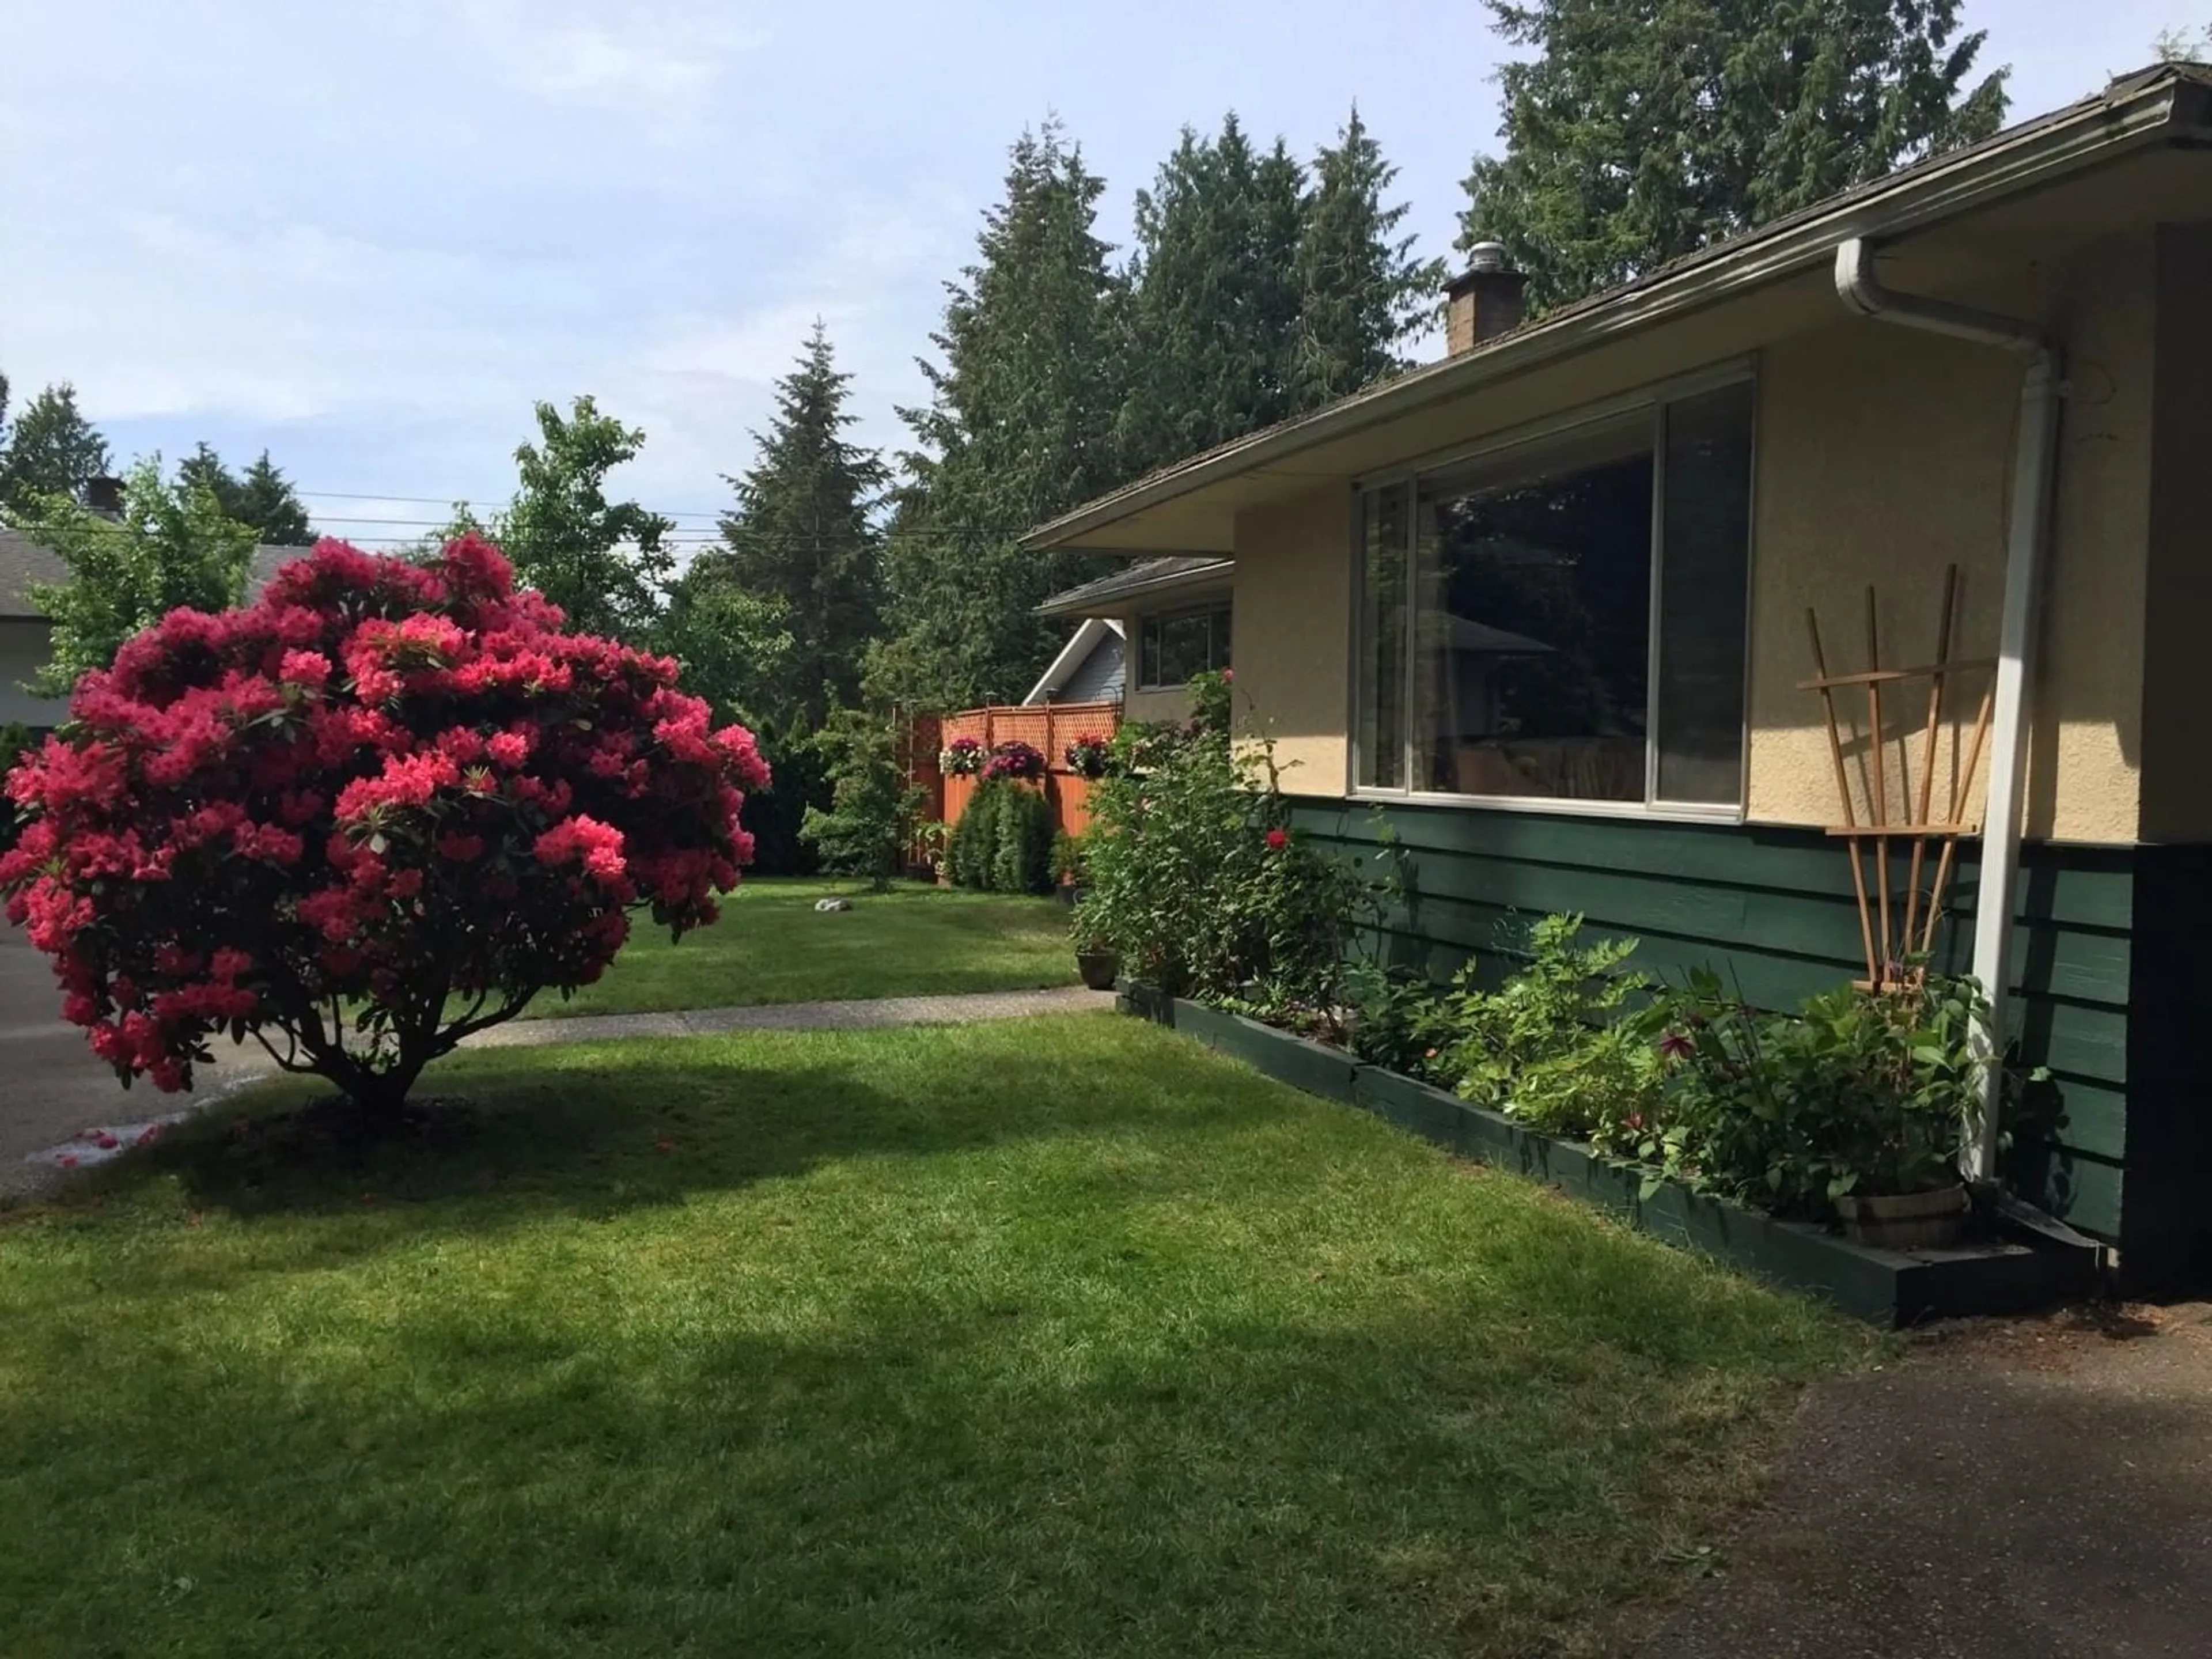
2027,1489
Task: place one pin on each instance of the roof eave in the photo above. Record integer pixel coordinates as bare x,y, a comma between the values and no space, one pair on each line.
1212,575
2134,113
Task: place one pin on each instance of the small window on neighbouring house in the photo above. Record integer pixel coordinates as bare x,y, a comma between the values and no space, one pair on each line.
1172,649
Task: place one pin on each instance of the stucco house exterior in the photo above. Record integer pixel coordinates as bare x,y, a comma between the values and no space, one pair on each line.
1541,608
1174,615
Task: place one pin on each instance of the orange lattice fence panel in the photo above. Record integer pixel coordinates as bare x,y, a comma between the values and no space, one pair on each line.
1049,728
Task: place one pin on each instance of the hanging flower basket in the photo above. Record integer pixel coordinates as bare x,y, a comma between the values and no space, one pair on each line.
961,759
1088,756
1014,760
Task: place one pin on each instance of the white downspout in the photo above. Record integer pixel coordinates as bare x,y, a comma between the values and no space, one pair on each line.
2027,533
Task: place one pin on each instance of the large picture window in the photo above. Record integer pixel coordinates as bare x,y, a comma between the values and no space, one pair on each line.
1563,619
1170,649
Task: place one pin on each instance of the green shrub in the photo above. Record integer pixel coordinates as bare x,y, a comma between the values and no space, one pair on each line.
1022,860
1197,882
872,807
1550,1045
1003,843
1852,1094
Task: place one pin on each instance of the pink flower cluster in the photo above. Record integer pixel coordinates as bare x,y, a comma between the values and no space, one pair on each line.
381,776
1014,760
961,757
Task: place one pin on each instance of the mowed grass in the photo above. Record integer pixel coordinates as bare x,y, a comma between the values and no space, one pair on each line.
1056,1338
771,945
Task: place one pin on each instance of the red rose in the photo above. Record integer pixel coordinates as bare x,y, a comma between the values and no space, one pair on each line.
1277,840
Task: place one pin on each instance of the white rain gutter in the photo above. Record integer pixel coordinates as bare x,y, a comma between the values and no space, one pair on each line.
2027,535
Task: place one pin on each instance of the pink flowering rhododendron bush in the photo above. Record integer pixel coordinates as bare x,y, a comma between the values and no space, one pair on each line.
378,810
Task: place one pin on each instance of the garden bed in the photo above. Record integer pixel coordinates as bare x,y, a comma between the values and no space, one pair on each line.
1999,1274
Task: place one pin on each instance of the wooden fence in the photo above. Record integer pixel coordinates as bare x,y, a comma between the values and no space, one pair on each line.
1047,726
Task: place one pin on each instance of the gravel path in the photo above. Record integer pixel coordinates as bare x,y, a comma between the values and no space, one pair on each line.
2020,1490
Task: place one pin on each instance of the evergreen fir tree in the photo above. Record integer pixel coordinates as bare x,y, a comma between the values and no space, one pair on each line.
1214,297
267,501
1019,427
1641,133
52,450
799,536
1360,289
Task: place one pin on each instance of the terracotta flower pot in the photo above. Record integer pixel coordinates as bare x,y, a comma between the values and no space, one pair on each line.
1909,1221
1099,969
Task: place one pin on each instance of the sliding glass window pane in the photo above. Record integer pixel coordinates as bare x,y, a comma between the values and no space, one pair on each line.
1704,577
1382,684
1533,607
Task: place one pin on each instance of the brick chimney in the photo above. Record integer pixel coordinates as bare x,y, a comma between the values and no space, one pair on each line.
104,496
1483,302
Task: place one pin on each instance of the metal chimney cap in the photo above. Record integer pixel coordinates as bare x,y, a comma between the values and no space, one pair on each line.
1488,255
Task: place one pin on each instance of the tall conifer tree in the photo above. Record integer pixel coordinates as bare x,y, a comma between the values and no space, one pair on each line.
1020,427
1640,133
1360,289
800,535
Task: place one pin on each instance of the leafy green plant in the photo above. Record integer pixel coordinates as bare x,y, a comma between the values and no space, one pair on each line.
872,806
1196,879
1397,1020
1070,859
1852,1094
1550,1045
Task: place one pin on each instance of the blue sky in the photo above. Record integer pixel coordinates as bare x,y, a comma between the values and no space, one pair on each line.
368,237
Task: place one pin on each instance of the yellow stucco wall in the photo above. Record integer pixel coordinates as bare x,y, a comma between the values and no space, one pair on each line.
1884,455
1290,633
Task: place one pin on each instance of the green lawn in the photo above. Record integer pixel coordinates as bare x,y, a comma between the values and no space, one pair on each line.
1060,1338
771,947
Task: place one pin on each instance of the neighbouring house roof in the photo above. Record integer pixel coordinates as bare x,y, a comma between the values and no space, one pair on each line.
2168,106
23,562
1140,581
1091,667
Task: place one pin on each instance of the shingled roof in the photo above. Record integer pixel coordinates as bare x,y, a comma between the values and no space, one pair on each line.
23,562
1145,576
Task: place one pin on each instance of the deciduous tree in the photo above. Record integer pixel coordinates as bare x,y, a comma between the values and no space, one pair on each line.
173,546
603,563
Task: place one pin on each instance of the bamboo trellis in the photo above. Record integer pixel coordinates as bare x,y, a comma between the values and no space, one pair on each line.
1895,952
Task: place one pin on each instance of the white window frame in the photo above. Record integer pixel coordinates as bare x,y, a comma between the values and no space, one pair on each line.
1408,477
1226,604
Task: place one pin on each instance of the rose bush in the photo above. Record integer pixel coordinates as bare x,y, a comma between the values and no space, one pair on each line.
378,810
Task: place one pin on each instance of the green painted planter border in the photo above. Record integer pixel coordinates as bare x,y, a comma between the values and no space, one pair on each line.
1885,1287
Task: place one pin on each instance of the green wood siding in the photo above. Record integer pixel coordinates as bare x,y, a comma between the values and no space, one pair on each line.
1774,907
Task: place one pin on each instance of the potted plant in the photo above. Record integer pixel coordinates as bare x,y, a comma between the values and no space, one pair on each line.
1853,1108
1099,962
1089,755
1068,858
963,758
1016,759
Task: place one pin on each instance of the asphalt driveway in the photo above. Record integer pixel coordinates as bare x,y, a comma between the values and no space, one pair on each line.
51,1085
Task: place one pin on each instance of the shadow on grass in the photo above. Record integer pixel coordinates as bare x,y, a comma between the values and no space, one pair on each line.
601,1129
929,1470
